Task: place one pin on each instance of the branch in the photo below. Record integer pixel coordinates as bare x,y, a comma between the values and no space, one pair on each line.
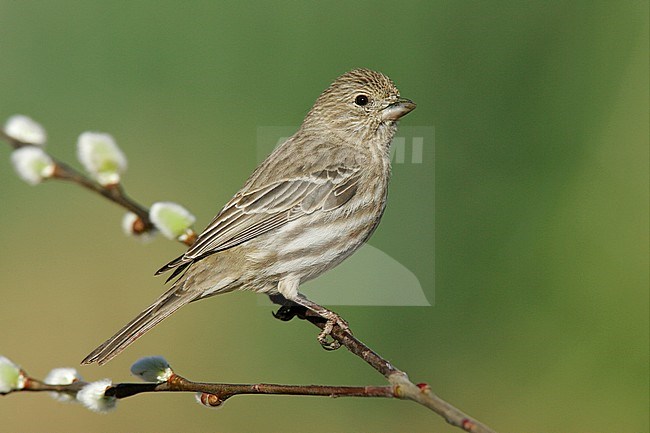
215,394
112,192
403,387
218,393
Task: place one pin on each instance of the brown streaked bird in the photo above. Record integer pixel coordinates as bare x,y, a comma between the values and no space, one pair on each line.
308,206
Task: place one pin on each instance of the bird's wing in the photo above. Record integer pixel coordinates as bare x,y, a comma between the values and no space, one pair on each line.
252,213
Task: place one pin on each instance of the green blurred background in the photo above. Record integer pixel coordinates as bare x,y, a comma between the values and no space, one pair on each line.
540,322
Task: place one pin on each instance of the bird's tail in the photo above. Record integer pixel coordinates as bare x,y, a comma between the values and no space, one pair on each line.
170,301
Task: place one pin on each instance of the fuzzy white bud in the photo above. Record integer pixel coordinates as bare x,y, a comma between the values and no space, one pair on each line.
32,164
12,377
129,223
25,129
152,369
172,219
62,376
101,157
93,396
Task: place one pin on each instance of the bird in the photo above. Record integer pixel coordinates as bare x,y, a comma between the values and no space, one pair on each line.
308,206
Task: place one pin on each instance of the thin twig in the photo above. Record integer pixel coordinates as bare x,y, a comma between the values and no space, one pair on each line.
114,193
35,385
223,391
403,387
215,394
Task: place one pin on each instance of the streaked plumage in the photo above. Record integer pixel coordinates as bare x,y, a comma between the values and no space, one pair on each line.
307,207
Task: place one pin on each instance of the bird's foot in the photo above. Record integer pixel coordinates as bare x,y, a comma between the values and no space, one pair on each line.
325,337
299,305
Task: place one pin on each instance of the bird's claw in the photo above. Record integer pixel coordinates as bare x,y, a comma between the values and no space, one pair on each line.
330,343
285,313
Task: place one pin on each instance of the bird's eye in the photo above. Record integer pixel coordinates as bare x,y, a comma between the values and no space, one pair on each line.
361,100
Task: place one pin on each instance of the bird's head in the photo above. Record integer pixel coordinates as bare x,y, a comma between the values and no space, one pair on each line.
359,105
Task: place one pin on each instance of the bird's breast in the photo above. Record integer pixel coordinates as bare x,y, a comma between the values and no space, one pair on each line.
314,243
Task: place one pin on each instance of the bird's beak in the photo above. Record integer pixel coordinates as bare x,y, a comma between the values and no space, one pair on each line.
397,109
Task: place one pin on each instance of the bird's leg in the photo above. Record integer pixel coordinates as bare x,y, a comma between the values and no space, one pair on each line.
330,316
